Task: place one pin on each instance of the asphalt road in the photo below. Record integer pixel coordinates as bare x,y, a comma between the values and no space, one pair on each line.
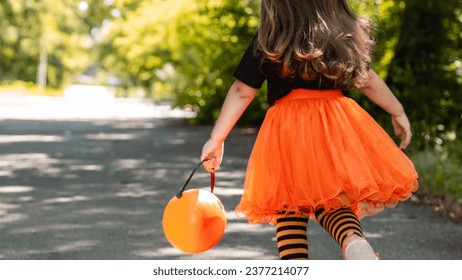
84,180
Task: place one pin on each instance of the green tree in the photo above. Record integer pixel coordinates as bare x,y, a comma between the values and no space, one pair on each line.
137,42
18,48
207,54
425,71
53,33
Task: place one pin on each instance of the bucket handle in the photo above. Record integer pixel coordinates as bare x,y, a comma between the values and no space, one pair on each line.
212,179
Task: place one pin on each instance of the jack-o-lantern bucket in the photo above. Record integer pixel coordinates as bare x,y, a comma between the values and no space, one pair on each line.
194,221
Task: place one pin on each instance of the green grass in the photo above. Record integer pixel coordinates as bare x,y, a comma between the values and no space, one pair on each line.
159,91
21,87
440,172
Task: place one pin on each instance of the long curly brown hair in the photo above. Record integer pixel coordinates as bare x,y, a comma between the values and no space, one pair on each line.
313,39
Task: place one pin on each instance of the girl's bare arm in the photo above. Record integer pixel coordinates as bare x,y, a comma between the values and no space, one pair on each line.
236,102
379,93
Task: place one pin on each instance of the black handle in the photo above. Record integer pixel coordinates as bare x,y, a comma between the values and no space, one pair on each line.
212,179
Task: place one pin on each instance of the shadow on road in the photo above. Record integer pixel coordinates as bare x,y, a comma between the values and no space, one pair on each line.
97,189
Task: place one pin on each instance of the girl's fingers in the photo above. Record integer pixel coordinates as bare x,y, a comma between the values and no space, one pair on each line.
402,128
212,153
211,162
405,140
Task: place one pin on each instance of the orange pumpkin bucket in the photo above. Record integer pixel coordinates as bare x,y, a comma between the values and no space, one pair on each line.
194,221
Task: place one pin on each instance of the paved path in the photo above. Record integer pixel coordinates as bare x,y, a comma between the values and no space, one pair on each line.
90,181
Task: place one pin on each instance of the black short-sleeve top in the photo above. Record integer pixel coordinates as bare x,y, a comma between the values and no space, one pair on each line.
252,72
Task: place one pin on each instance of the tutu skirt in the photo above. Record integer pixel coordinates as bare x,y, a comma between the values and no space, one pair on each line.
319,149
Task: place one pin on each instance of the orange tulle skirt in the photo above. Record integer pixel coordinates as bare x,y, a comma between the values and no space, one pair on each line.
320,149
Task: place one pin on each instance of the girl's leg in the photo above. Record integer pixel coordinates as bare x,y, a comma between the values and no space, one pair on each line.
292,237
344,226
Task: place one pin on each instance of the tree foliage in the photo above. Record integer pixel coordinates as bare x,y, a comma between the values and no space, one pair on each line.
54,27
136,42
425,71
207,54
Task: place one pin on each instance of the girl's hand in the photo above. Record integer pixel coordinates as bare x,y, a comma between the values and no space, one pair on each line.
402,128
212,152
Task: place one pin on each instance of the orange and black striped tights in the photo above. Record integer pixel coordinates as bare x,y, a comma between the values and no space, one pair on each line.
292,231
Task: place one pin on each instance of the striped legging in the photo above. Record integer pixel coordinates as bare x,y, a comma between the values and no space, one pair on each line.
292,231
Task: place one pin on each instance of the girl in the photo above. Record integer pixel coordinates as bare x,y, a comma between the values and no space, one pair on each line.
318,154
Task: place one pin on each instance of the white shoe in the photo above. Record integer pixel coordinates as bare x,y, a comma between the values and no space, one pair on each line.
356,247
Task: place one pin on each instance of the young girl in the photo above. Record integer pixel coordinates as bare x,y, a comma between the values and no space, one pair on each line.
318,154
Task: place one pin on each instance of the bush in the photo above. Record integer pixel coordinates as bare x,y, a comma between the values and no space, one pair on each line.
207,54
439,171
